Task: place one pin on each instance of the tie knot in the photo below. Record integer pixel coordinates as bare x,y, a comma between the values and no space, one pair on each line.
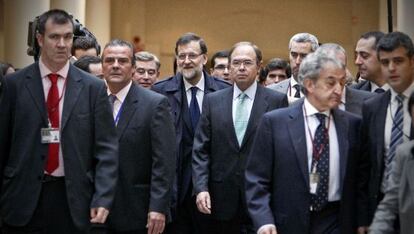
399,98
112,98
297,87
379,90
53,78
321,117
194,91
242,96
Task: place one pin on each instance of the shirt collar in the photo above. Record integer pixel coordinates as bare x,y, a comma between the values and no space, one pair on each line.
45,71
311,110
343,97
374,86
121,95
293,82
406,92
250,92
200,85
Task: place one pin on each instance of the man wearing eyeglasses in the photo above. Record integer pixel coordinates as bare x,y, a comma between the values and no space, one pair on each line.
220,65
147,69
220,153
300,45
185,92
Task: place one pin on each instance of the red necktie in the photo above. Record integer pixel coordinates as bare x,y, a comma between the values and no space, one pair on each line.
53,113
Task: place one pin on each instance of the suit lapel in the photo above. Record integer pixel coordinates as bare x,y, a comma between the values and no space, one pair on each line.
226,108
380,116
296,128
260,106
35,87
174,88
128,109
341,125
73,89
351,103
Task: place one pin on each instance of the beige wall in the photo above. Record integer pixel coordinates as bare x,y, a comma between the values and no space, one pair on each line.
268,23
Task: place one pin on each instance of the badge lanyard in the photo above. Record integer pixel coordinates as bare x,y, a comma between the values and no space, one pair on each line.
316,154
118,114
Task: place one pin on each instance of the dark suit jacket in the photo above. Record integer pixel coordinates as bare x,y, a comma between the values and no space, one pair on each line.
354,99
277,175
88,141
146,159
218,160
374,113
174,89
363,85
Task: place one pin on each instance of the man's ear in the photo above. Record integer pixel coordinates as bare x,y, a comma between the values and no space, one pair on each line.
40,39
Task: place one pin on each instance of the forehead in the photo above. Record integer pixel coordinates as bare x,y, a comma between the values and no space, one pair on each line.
52,27
192,46
330,71
243,51
221,60
365,44
400,52
301,47
278,71
117,51
146,64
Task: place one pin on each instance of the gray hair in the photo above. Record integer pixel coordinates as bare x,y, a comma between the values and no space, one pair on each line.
331,50
304,37
312,65
146,56
121,43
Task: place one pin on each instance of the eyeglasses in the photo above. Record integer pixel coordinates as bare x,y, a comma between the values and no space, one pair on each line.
190,56
246,63
142,71
220,67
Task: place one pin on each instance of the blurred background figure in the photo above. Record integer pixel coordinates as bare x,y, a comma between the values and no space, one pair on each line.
84,46
147,69
220,64
90,64
6,68
276,70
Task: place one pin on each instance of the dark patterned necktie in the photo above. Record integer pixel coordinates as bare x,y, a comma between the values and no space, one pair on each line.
194,108
321,144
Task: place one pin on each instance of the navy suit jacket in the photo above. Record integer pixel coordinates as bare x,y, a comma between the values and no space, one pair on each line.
173,88
355,99
146,159
363,85
88,141
277,175
218,160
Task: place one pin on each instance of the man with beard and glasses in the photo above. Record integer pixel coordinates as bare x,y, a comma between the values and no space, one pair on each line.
185,92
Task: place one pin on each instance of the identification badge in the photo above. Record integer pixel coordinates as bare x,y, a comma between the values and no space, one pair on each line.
50,135
314,180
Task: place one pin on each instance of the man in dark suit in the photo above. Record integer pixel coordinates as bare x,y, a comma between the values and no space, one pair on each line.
351,99
219,153
185,92
59,162
386,121
300,176
369,67
146,146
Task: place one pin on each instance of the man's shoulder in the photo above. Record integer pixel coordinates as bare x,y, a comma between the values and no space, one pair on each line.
363,85
359,93
216,83
281,86
166,84
272,93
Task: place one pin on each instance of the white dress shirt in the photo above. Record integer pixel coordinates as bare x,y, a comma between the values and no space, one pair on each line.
250,95
120,98
200,91
63,74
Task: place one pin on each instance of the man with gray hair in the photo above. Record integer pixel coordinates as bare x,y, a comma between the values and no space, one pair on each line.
351,99
306,183
300,45
147,69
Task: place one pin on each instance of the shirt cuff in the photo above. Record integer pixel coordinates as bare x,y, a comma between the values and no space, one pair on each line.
265,226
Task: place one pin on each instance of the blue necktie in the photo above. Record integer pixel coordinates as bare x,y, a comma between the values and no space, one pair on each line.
321,144
241,117
194,108
396,138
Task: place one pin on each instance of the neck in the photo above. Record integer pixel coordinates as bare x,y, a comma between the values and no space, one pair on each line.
194,80
53,67
315,104
115,88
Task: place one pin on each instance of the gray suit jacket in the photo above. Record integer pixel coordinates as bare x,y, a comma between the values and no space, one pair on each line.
281,87
88,141
399,196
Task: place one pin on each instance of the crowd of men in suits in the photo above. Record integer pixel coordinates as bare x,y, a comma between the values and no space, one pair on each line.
194,153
